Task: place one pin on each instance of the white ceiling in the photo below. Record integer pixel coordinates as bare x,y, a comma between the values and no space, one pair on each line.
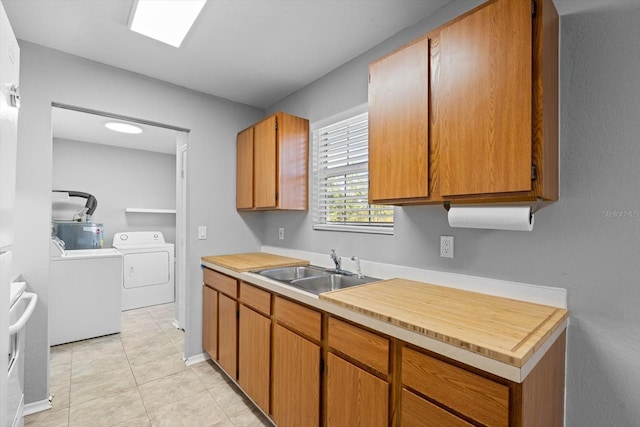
251,51
85,127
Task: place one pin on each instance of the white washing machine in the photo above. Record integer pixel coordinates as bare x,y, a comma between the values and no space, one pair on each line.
148,267
84,293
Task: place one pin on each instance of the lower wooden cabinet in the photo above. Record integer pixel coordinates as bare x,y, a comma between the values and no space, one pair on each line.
419,412
295,379
472,395
274,351
254,355
228,334
210,321
354,396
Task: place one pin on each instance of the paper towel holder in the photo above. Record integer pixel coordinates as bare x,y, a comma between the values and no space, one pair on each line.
535,208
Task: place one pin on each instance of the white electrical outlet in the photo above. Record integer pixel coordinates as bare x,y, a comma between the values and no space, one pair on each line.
446,246
281,233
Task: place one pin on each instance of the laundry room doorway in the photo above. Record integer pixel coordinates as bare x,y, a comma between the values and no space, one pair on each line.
137,179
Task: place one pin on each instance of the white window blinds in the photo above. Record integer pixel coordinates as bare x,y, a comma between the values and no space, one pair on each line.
341,166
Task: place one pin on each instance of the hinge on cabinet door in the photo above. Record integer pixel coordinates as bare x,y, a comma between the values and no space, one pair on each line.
238,314
534,8
321,366
534,172
276,196
369,77
276,125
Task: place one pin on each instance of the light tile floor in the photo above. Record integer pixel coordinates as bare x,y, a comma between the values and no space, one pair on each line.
137,378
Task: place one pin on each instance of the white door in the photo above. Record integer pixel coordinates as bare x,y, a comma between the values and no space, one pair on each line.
9,72
181,230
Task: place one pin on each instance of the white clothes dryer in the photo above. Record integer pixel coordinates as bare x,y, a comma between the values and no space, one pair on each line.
148,268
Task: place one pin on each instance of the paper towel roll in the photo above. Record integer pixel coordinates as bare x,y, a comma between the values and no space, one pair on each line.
517,218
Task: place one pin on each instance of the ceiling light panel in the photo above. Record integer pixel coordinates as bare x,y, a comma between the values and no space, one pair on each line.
167,21
123,127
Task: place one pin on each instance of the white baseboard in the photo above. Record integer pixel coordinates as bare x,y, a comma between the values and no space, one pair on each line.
196,359
35,407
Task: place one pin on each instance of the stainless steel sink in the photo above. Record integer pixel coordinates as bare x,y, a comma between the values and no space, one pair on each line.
315,279
331,282
287,274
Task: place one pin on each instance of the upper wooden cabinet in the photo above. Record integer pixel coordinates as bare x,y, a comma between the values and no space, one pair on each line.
244,169
468,112
483,97
398,126
273,164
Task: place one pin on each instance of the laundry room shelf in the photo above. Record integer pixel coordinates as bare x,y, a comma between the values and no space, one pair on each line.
154,211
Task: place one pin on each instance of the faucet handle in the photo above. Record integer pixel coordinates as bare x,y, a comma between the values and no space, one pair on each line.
359,270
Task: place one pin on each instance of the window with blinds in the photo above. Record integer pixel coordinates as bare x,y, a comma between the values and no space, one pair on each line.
341,158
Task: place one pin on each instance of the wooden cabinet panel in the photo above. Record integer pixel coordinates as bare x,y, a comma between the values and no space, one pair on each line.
244,169
228,335
254,356
273,164
296,380
299,317
255,298
355,397
364,346
483,100
265,164
472,395
220,282
210,321
399,124
293,162
543,389
418,412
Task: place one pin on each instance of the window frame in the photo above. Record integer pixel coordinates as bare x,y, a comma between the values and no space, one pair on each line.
315,177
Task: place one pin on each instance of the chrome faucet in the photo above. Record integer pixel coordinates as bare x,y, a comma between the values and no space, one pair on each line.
358,269
336,260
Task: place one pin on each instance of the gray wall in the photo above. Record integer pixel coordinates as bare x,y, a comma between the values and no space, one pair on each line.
588,242
141,179
51,76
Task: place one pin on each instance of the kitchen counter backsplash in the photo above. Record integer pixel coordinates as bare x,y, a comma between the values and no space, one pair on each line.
556,297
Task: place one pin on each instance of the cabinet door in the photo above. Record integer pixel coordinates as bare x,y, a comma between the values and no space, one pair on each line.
398,124
296,380
293,158
244,170
254,355
355,397
482,96
265,164
227,334
210,321
419,412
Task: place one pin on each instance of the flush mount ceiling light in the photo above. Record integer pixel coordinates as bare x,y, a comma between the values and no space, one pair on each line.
167,21
123,127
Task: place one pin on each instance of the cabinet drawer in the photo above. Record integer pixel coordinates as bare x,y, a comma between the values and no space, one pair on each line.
364,346
225,284
255,298
418,412
298,317
472,395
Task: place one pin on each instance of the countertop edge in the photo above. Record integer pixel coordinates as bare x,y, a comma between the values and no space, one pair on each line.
476,360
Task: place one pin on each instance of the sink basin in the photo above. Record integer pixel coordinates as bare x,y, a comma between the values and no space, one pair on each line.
287,274
330,282
314,279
